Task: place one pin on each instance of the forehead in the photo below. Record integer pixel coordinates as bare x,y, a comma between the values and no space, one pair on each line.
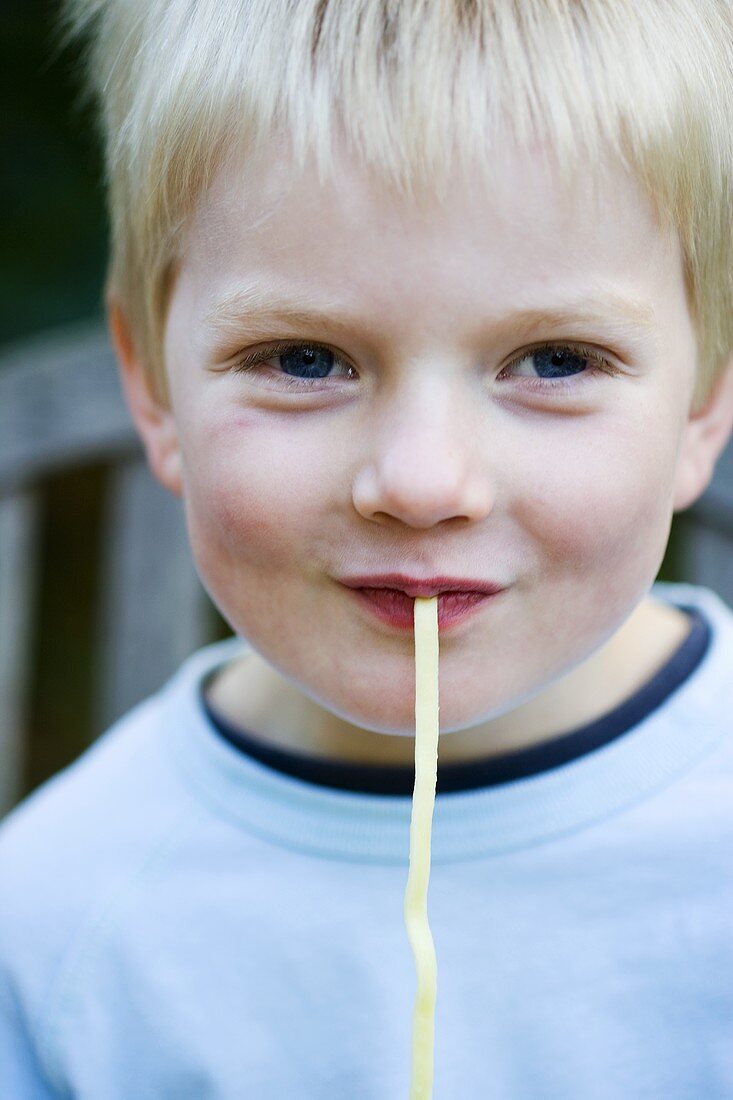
506,239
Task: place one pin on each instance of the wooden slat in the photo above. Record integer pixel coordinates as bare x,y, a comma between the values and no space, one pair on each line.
154,610
60,405
18,567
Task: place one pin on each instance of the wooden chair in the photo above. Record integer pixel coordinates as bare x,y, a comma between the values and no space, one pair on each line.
61,407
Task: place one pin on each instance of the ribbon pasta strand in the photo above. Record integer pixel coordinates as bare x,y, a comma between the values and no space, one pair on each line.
423,804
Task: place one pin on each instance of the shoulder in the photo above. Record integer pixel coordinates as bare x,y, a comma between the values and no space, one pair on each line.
95,814
78,854
84,832
75,815
702,707
77,844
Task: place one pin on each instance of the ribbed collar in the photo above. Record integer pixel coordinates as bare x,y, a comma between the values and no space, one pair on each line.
467,824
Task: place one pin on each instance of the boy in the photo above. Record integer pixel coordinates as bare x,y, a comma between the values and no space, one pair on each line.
407,299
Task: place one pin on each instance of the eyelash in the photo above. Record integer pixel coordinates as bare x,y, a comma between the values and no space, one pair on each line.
599,365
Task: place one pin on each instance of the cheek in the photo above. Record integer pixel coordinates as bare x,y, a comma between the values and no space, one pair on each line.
604,499
253,495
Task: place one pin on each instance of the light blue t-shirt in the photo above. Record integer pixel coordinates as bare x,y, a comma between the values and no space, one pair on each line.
179,921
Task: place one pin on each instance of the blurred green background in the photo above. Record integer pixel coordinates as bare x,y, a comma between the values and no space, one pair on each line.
54,228
52,263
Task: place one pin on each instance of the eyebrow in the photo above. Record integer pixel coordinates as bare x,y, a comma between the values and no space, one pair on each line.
259,311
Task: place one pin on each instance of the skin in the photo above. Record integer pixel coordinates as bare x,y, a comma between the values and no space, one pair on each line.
422,454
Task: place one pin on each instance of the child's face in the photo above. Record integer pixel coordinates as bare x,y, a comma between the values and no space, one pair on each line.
421,452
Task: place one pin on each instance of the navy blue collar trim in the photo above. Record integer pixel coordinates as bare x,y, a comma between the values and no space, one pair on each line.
377,779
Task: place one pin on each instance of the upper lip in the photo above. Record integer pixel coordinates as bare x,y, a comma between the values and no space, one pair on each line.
426,586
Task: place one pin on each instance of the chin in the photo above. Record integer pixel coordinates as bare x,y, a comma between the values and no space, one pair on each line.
400,720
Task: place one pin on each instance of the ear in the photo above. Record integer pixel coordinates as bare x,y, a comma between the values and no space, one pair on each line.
153,420
707,431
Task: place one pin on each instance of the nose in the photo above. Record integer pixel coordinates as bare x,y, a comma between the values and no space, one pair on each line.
423,463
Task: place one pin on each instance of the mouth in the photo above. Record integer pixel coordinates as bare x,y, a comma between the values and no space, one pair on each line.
396,608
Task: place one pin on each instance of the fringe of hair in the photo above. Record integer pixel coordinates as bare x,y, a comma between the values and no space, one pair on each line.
414,86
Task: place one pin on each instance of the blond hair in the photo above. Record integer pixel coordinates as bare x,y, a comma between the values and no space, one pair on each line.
414,85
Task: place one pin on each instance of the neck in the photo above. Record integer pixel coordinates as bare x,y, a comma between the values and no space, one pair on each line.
252,695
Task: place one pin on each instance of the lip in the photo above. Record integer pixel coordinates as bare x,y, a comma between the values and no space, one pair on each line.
428,586
393,603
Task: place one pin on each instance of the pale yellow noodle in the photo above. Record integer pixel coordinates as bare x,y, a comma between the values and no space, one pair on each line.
423,803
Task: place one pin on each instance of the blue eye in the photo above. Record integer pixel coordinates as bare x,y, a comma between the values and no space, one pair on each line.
307,362
553,367
557,362
298,365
